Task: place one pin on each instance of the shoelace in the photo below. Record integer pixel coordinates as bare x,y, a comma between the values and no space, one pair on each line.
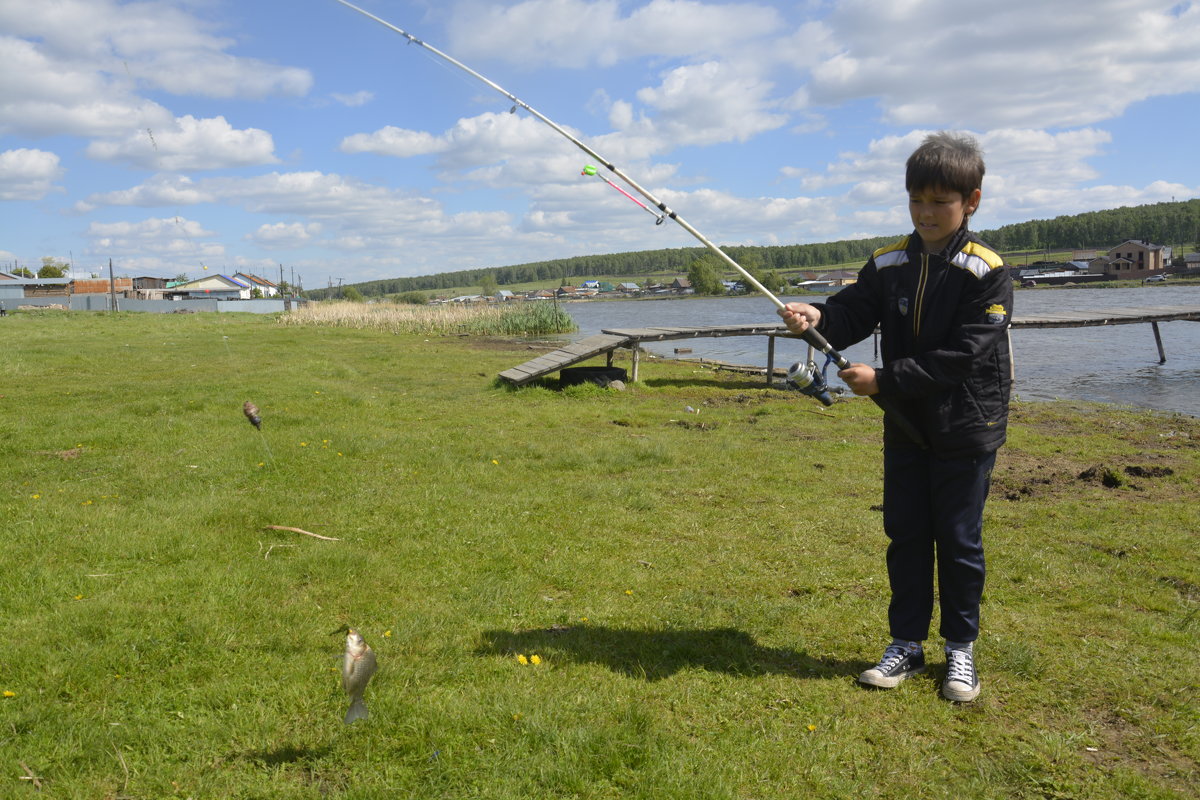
960,666
891,657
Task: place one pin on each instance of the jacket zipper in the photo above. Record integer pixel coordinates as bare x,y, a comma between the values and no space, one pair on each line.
920,296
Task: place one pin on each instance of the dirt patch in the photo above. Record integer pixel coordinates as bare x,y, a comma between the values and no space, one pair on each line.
1021,477
739,399
1149,472
1053,447
692,425
65,455
1120,743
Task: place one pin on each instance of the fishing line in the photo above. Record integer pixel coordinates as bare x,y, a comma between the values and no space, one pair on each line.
590,170
810,335
249,409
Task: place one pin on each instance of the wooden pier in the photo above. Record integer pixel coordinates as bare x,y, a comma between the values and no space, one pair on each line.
608,341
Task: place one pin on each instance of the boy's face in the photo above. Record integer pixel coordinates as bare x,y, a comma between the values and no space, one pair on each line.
938,213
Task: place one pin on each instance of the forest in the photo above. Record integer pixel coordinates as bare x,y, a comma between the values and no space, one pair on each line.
1176,223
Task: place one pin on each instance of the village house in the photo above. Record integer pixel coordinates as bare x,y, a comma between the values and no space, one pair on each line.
217,287
1133,259
17,287
263,285
840,277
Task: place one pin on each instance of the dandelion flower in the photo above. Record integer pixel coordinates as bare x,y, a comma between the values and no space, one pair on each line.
7,693
812,728
535,659
494,461
78,597
521,659
36,496
629,591
387,633
304,444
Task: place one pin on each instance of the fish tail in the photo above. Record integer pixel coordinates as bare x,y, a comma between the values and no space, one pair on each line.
358,710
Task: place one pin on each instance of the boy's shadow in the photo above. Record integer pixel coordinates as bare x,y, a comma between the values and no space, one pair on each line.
656,654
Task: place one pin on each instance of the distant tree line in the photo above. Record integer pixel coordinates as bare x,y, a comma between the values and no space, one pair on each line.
630,264
1161,223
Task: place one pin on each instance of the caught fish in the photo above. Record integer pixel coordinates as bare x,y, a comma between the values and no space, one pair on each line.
251,412
357,669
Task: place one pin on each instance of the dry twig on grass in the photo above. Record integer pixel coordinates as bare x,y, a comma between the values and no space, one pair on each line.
298,530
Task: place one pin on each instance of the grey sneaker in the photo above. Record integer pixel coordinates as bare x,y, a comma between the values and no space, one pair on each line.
962,680
897,664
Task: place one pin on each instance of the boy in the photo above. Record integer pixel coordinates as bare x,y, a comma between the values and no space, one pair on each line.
943,302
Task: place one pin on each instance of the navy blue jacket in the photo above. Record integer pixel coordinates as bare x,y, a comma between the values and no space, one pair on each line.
943,323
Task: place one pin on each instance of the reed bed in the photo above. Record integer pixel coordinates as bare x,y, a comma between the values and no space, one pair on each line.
513,319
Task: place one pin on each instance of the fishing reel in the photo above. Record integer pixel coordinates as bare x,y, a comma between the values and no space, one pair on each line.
804,377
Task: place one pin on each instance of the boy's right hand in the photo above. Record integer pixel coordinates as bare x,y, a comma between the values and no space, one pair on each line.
799,317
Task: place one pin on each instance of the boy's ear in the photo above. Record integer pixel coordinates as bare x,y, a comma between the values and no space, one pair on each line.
971,201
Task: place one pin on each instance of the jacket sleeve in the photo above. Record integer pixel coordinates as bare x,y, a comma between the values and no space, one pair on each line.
852,314
979,326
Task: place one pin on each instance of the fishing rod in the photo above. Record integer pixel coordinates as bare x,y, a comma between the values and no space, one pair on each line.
804,377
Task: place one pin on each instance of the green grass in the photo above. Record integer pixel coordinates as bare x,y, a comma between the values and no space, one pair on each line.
701,589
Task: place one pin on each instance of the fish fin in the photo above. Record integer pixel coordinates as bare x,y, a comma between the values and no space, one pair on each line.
357,710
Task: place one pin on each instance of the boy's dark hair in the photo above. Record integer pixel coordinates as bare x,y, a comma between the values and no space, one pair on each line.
946,161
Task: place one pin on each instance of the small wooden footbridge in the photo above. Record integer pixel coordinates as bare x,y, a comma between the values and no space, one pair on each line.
608,341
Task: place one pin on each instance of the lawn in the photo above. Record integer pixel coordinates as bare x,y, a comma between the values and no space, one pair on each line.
700,588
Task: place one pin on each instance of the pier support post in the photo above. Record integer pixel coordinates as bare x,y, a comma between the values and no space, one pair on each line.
770,360
1162,355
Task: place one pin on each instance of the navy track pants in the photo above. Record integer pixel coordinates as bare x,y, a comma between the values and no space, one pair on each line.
933,514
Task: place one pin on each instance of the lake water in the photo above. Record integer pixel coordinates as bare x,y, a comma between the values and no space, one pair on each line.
1111,364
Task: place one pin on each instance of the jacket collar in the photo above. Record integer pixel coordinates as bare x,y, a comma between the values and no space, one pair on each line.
957,242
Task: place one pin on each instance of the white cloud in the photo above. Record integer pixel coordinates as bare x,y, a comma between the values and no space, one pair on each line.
359,98
285,234
154,243
491,149
82,77
392,141
710,103
44,96
1013,64
28,174
575,33
189,144
169,191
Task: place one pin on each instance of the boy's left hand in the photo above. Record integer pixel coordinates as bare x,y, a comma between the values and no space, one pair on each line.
861,379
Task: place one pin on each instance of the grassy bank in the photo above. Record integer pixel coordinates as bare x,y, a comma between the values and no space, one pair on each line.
700,588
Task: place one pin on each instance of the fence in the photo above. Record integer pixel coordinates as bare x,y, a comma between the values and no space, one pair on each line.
100,302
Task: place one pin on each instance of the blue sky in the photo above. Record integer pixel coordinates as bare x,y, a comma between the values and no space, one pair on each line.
222,135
